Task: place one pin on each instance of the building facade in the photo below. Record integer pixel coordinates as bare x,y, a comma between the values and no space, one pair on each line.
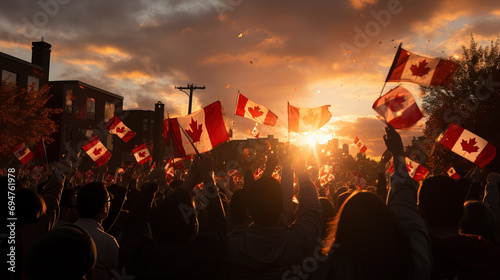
22,73
85,111
85,107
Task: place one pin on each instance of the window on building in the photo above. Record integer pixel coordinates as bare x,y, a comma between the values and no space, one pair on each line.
9,78
90,108
33,82
69,97
109,142
109,111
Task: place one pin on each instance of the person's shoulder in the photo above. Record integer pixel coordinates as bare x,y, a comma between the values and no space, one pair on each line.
473,243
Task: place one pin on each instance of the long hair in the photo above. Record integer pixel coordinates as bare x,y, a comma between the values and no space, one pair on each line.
366,241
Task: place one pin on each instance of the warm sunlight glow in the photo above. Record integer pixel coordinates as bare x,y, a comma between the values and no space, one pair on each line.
311,140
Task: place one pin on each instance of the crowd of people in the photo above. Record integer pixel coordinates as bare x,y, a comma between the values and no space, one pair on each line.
196,228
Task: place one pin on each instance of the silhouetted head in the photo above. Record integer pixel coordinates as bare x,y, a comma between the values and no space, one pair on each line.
67,206
328,214
238,206
93,201
367,241
342,198
29,206
65,252
479,219
174,219
265,201
441,202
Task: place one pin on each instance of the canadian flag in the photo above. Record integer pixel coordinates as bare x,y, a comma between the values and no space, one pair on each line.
22,153
425,71
307,119
205,127
172,164
416,171
325,174
249,109
142,154
258,173
96,151
398,108
358,180
468,145
255,132
116,126
451,172
362,148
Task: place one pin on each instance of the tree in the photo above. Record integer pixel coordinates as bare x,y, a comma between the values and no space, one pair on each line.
471,101
24,116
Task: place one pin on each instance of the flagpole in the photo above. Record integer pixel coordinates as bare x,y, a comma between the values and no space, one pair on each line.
234,114
45,152
171,139
288,122
394,62
189,138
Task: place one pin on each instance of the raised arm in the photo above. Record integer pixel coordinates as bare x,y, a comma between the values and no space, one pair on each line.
491,195
402,200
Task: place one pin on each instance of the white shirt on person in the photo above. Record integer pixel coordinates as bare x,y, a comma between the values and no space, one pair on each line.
107,249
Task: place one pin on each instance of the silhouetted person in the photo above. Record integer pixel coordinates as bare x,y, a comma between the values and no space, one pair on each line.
66,252
455,255
268,249
375,241
68,211
175,250
93,203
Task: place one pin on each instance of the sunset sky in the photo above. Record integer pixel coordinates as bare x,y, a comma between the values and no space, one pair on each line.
310,53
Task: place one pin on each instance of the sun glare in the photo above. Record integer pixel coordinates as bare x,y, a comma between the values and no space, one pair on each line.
311,139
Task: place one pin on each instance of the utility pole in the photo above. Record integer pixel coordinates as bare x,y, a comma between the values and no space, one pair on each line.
190,94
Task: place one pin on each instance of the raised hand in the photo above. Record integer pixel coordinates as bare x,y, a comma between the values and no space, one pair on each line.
393,141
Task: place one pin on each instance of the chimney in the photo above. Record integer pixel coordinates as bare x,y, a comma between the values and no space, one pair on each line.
41,56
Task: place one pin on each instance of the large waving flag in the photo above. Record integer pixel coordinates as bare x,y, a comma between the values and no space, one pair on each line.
96,151
116,126
415,170
205,129
425,71
249,109
398,108
468,145
22,153
307,119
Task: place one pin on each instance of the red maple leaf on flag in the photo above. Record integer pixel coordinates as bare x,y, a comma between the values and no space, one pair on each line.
120,129
196,130
310,118
97,151
421,70
22,152
255,111
469,146
142,154
395,104
409,166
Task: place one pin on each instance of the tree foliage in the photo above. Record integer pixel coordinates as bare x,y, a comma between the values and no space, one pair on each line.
24,116
471,101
